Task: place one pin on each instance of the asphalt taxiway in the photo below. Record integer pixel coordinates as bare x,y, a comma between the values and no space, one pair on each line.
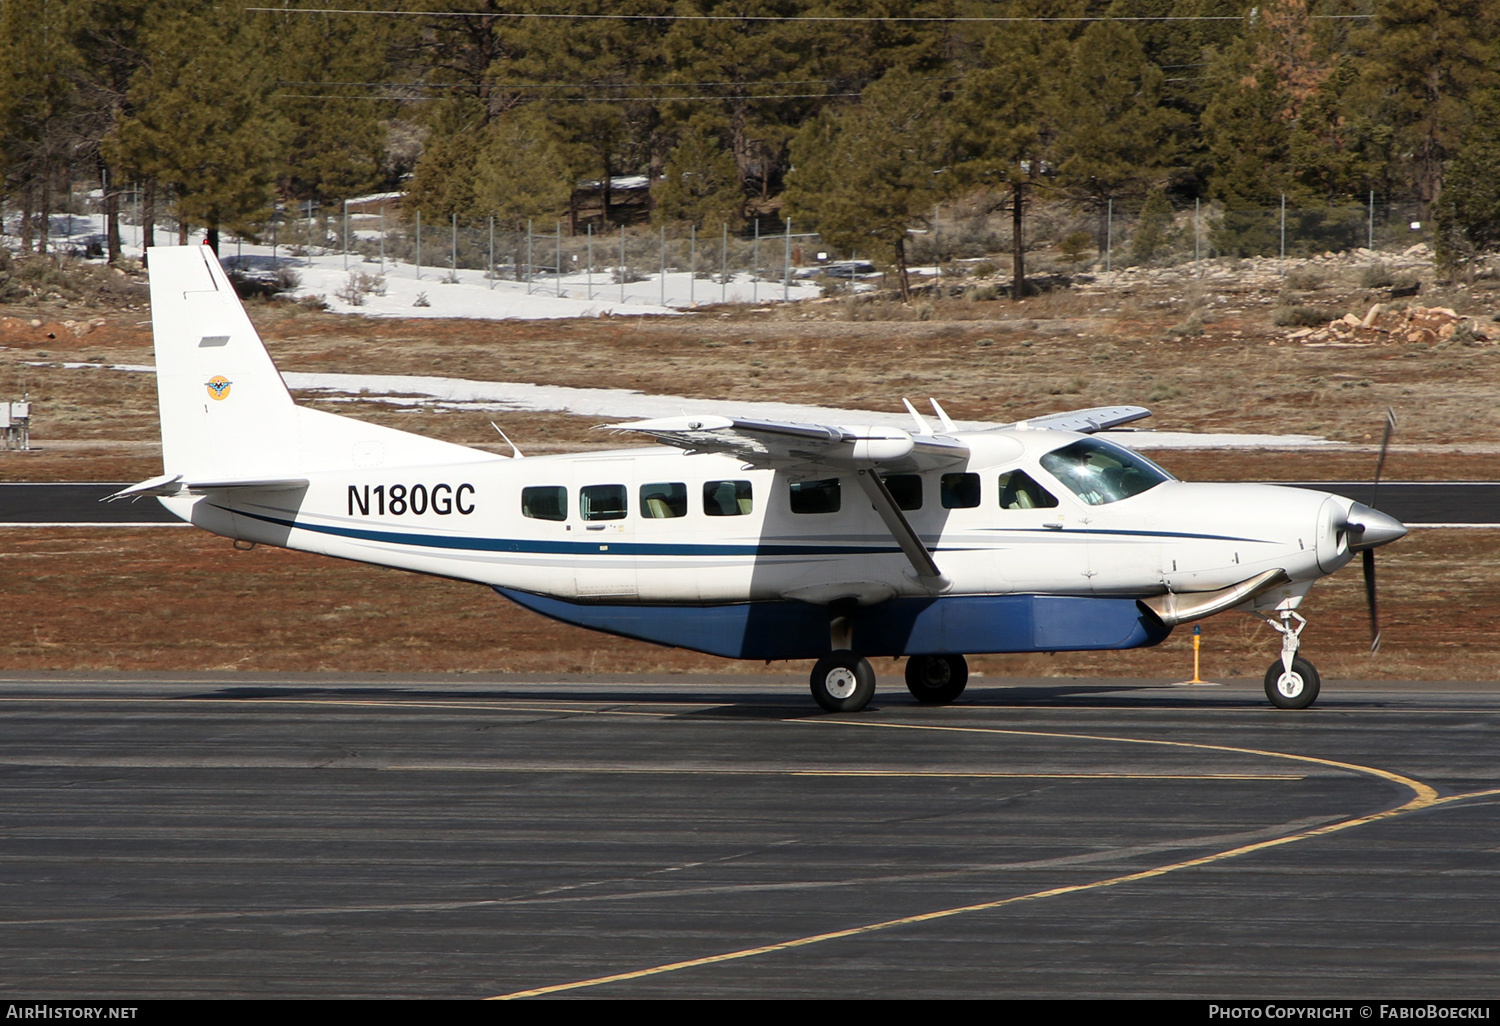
235,835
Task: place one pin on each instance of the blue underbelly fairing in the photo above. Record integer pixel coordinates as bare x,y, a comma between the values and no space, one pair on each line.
906,626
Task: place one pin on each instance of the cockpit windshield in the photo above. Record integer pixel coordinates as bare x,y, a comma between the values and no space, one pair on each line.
1099,472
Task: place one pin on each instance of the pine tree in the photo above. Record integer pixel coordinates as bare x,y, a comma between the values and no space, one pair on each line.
202,122
1468,211
1423,64
748,82
38,103
335,132
1115,135
700,184
1153,227
442,183
519,175
1007,115
882,172
107,35
586,74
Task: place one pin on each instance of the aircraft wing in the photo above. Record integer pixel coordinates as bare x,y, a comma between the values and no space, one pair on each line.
1086,422
804,448
807,450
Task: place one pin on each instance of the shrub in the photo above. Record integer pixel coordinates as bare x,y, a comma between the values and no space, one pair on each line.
1302,316
360,285
1305,279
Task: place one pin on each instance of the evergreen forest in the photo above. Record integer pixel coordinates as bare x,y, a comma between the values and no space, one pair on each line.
857,118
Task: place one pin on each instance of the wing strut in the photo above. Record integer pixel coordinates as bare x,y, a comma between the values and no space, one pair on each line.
928,574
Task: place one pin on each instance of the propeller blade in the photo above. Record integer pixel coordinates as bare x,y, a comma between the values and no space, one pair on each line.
1369,561
1385,443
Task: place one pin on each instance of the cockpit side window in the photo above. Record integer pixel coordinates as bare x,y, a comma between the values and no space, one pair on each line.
1019,491
1099,472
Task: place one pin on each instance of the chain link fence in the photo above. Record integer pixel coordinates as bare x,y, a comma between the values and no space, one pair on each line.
682,265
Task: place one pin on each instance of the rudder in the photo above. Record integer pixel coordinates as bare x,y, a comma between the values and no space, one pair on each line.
225,410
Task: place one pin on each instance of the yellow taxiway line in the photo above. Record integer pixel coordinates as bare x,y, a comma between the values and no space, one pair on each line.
1423,796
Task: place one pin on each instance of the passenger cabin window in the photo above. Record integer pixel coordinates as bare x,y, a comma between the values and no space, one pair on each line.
960,491
1019,491
906,489
1100,472
663,501
602,502
545,502
815,496
727,498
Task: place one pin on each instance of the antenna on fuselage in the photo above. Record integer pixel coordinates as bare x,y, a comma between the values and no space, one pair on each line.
923,428
943,417
518,452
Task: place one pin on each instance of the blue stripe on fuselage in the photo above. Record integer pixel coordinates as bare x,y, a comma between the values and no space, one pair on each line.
626,548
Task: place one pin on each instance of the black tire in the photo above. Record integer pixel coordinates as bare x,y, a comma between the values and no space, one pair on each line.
1299,691
843,682
936,679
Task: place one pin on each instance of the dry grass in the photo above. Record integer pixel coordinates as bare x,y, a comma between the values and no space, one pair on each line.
159,599
166,598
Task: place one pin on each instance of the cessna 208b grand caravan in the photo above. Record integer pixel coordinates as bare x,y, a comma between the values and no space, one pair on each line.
754,539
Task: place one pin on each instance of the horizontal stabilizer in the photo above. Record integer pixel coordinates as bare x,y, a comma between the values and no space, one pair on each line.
166,484
173,484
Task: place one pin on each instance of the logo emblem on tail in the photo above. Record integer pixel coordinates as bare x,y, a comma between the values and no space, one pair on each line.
218,387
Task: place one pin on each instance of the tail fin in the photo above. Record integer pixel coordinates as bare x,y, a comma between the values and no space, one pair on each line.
224,408
226,414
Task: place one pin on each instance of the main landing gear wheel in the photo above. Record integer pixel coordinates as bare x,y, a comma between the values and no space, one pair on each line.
1295,690
936,679
843,682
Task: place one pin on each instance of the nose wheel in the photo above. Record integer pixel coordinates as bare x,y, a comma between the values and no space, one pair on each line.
1291,681
1295,688
843,682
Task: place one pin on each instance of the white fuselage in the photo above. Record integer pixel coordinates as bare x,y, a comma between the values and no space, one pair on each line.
469,521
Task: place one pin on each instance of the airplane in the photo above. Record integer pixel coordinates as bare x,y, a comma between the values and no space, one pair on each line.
755,539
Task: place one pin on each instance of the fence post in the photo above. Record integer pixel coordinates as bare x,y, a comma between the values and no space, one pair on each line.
663,281
755,265
1370,236
591,261
1109,237
558,259
528,256
419,245
937,225
623,275
346,235
453,271
1283,235
786,269
724,265
382,240
1197,239
692,264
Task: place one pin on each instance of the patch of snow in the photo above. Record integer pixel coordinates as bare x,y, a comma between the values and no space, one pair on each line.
607,404
466,293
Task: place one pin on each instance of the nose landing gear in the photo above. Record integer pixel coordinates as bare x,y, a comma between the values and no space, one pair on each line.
1291,681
